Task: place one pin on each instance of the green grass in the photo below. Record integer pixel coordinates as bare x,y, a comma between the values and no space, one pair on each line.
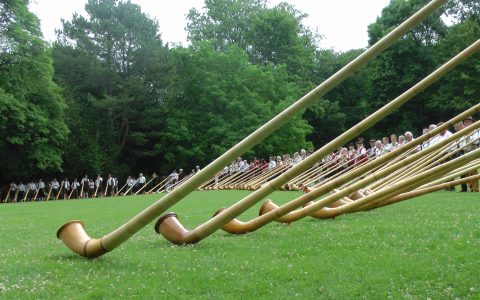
422,248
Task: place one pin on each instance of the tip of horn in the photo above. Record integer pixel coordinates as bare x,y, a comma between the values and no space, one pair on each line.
73,235
266,207
171,229
163,218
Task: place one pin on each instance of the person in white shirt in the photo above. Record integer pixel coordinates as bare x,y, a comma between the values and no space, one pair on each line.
84,187
55,186
99,185
272,164
109,186
393,142
66,188
75,188
32,190
140,182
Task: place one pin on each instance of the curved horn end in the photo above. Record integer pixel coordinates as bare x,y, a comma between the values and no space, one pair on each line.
73,235
356,195
171,229
306,189
266,207
235,226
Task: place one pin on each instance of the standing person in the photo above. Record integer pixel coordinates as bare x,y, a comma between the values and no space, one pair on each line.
386,146
371,150
41,190
21,191
272,164
99,185
12,192
130,183
84,187
140,182
393,142
66,188
55,187
173,179
91,188
109,187
361,155
75,188
474,138
378,148
32,187
155,179
352,153
115,186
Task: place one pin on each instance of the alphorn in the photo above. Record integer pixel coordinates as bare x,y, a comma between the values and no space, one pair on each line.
81,189
7,196
157,185
49,192
59,192
117,193
141,189
15,197
169,226
74,236
130,188
26,194
290,217
71,193
106,190
96,190
396,188
424,189
36,194
270,212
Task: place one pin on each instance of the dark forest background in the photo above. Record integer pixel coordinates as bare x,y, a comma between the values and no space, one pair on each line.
109,96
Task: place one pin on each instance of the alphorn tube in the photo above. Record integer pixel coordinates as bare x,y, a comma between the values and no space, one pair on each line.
7,196
117,193
270,212
420,192
36,195
210,226
157,185
141,189
73,234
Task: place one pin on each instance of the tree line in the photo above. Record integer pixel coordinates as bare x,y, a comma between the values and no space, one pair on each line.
109,95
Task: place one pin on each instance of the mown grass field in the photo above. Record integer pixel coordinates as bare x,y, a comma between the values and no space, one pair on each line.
422,248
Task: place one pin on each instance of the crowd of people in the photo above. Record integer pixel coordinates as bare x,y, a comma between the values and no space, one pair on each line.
345,157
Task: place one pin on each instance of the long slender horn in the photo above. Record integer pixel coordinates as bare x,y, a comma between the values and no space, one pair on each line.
109,242
270,212
316,208
232,212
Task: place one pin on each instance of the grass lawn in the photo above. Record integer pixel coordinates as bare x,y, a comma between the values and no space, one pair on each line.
422,248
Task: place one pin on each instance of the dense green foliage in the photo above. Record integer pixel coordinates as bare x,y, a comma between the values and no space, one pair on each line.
422,248
32,123
134,103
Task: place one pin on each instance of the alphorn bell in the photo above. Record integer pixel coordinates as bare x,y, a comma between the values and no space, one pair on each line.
173,231
74,236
